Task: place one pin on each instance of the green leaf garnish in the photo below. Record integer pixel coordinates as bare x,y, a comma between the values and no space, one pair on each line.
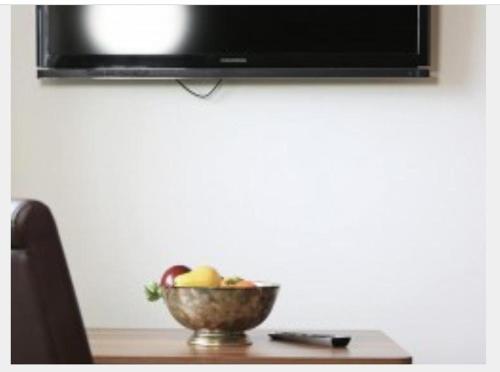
153,292
233,280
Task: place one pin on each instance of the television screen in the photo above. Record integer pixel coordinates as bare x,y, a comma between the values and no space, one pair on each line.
176,36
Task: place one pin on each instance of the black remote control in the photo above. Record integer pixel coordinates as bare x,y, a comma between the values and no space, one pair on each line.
311,338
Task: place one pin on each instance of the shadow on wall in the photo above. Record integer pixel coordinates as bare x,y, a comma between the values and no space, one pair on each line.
457,71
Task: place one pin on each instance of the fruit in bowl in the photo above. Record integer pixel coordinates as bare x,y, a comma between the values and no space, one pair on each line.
218,309
168,277
202,276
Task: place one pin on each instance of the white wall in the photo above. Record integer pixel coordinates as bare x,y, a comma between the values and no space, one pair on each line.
365,200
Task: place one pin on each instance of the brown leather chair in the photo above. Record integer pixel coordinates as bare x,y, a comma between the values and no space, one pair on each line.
46,325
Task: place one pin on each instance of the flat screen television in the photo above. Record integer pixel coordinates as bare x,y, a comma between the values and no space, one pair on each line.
195,41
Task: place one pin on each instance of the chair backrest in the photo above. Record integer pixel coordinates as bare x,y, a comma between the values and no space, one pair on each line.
46,325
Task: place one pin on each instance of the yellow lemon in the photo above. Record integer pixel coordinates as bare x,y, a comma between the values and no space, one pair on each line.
201,276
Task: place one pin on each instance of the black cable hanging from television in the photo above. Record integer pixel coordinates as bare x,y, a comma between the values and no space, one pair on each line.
196,94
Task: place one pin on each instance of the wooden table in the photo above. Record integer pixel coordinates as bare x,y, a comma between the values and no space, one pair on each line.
168,346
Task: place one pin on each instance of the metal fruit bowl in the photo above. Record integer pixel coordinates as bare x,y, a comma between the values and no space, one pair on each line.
220,316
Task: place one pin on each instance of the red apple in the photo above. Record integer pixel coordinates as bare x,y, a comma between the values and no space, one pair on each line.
167,280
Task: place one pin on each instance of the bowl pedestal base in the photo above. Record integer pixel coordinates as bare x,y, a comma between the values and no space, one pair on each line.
218,338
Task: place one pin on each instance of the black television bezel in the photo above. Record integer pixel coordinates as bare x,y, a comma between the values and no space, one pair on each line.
229,65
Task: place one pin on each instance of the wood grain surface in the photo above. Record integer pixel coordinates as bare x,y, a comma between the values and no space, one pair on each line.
169,346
